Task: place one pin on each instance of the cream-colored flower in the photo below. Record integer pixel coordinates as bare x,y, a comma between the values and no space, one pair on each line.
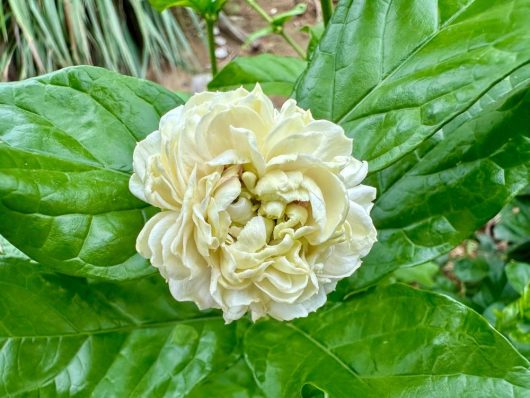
262,210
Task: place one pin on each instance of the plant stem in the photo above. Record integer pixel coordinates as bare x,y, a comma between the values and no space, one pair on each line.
293,44
210,22
259,10
327,10
277,29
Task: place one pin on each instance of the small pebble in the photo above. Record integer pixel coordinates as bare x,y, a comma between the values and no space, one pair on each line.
199,82
221,52
220,40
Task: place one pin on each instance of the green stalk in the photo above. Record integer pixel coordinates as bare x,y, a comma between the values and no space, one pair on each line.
327,10
279,29
293,44
259,10
210,22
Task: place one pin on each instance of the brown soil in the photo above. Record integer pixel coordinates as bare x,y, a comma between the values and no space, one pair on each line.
244,19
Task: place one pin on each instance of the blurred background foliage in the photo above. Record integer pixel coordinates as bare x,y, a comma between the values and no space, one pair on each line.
129,36
490,272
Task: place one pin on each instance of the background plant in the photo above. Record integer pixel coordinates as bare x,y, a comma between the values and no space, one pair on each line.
38,36
276,25
210,11
488,273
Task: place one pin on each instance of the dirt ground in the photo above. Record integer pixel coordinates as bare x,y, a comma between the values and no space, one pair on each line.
239,21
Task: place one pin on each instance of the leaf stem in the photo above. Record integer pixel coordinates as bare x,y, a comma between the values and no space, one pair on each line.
277,29
259,10
327,10
293,44
210,23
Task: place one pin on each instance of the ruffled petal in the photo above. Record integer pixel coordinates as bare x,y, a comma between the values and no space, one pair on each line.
321,139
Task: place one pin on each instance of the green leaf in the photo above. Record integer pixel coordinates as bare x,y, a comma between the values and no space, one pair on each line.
471,270
276,74
8,252
281,19
258,34
66,336
315,34
66,144
518,275
236,381
459,179
423,274
391,342
202,7
183,95
394,73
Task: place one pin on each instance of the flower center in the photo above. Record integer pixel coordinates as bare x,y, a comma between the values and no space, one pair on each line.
273,197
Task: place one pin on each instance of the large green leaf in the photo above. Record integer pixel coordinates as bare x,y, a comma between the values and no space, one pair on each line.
66,144
62,336
461,178
235,381
391,342
276,74
393,73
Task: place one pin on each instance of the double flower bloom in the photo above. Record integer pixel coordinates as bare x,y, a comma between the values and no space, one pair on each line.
262,210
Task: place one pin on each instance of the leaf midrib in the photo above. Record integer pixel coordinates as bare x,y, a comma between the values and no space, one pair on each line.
326,350
442,125
100,104
120,329
53,157
404,61
362,378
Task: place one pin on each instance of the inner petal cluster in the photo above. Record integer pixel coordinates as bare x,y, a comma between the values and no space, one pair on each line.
278,202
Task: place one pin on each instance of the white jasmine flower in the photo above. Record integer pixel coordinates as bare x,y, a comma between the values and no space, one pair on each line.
262,210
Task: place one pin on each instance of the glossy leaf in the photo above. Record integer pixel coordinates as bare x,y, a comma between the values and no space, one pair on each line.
391,342
65,337
432,200
423,274
315,33
8,251
235,381
66,144
276,74
394,73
